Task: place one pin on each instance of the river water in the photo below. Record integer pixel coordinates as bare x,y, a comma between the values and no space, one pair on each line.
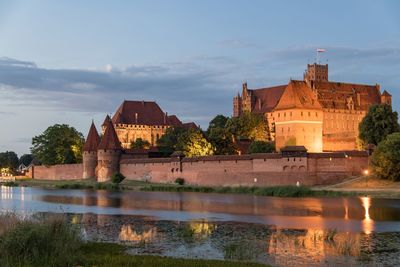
358,231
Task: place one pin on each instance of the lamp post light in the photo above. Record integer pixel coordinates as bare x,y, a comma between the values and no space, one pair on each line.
366,172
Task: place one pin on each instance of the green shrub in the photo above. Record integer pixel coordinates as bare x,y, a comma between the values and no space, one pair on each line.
42,243
107,186
261,147
180,181
10,184
385,160
117,178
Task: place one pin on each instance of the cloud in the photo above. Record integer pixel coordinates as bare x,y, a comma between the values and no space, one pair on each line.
237,44
195,89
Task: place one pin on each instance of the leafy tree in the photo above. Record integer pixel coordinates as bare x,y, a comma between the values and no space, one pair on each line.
385,160
249,125
197,145
261,147
117,178
58,144
9,160
218,122
26,159
140,143
219,137
379,122
174,139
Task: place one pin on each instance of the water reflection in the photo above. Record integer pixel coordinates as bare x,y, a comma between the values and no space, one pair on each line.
127,233
368,223
344,214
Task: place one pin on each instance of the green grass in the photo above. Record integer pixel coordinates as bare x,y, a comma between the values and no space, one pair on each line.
113,255
10,184
276,191
52,242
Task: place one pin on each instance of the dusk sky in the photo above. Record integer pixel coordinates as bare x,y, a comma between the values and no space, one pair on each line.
71,61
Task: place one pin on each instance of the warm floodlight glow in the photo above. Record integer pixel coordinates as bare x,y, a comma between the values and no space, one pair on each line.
366,172
368,223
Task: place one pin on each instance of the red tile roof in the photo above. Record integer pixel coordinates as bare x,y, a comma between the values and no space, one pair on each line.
110,139
92,140
335,94
298,95
269,97
173,120
106,120
386,93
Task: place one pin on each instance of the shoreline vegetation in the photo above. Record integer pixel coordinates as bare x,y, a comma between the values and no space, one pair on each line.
352,188
45,241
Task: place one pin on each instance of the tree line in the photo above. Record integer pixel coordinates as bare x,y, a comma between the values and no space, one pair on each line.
62,144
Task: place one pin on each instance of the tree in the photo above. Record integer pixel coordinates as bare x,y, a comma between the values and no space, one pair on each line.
9,160
385,160
197,145
219,137
174,139
379,122
139,143
58,144
261,147
26,159
249,125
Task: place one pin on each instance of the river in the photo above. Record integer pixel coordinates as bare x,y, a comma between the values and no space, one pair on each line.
278,231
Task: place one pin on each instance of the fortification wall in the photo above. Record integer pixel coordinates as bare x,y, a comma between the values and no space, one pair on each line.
57,172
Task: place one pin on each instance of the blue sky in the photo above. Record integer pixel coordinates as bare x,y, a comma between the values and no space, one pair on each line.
71,61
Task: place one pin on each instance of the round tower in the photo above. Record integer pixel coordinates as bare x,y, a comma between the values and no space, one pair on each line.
109,153
89,157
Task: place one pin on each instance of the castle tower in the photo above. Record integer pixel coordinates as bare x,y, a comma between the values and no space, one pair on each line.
90,153
103,126
386,98
316,73
108,154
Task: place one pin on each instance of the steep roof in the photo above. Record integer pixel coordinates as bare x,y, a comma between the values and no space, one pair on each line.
336,94
106,120
267,98
298,95
173,120
139,112
110,139
92,140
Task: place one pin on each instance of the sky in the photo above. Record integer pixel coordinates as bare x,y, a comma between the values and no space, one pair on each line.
74,61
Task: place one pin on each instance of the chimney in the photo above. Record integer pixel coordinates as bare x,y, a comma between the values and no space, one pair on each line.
143,102
259,104
165,117
136,118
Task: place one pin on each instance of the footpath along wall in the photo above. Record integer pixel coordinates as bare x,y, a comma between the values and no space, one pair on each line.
244,170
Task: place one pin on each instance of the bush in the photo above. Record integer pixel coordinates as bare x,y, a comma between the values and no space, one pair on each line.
180,181
261,147
117,178
385,160
50,243
11,184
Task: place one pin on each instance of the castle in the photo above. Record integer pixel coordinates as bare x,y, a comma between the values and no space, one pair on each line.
131,121
314,112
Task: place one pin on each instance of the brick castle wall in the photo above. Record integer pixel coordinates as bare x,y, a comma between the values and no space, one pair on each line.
244,170
57,172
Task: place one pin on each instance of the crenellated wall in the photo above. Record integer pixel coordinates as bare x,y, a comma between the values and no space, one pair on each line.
244,170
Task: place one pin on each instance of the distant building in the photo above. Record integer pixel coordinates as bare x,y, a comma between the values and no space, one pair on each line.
142,119
314,112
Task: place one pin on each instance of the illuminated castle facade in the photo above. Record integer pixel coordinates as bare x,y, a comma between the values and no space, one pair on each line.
314,112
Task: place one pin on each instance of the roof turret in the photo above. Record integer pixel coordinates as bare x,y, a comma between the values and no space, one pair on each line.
92,140
110,139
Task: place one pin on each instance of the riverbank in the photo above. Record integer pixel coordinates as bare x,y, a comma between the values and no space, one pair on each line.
90,184
49,240
359,186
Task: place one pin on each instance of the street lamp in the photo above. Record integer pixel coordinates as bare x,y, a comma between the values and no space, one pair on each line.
366,172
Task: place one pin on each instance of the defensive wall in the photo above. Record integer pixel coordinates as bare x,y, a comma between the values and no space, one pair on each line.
245,170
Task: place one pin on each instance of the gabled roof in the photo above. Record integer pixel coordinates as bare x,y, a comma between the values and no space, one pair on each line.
110,139
335,94
139,113
386,93
92,140
298,95
190,125
173,120
268,98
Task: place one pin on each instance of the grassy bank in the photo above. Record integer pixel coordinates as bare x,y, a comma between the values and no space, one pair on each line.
52,242
277,191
